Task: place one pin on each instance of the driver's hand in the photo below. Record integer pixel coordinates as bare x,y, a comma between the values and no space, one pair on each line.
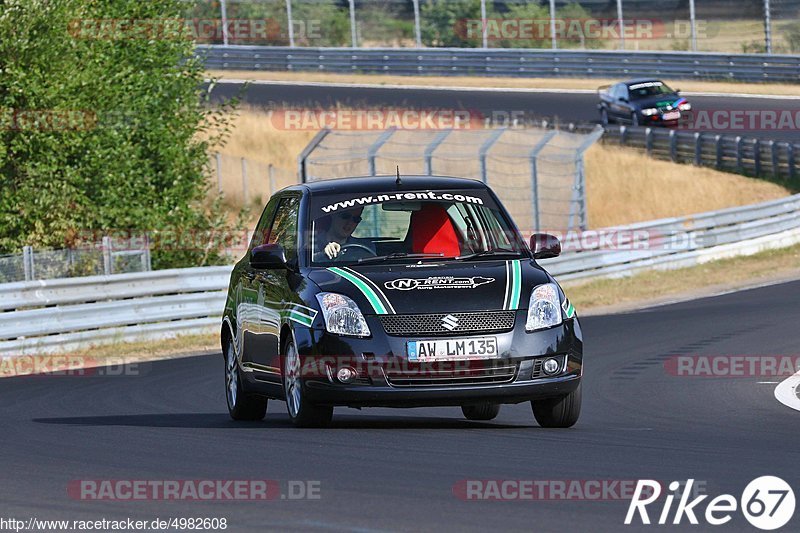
332,249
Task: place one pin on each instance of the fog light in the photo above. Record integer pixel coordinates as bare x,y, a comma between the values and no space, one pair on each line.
550,366
346,374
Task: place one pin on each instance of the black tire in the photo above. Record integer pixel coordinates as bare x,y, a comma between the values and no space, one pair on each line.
241,406
302,413
604,120
560,412
634,119
483,411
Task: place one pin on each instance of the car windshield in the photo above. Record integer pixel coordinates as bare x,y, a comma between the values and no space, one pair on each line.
648,88
405,226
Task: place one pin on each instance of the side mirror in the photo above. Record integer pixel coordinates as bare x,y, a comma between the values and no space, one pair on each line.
265,256
677,91
545,246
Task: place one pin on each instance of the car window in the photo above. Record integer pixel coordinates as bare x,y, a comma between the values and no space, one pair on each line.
262,228
649,88
284,227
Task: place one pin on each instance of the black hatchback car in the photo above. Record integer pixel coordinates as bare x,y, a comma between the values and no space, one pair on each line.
642,102
393,292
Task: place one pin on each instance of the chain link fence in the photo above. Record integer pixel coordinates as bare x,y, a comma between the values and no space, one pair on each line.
538,174
727,26
247,182
110,256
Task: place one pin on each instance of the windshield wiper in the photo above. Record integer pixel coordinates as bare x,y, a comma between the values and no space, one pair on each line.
484,253
397,255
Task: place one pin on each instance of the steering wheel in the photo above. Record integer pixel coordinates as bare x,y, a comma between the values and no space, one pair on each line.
355,251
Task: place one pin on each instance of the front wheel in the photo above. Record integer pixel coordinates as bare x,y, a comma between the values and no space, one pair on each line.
559,412
484,411
241,406
634,119
302,413
604,117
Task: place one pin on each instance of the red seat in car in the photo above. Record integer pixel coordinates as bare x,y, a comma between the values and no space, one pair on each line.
432,231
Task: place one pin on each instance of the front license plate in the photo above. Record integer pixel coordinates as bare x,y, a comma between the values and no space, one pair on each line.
453,349
673,115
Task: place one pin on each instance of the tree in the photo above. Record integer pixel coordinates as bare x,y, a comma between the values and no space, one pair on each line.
100,121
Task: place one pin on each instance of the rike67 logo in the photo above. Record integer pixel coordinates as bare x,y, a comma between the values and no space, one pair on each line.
767,503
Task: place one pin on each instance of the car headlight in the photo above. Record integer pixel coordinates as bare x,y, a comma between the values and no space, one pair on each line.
686,106
544,310
342,315
649,111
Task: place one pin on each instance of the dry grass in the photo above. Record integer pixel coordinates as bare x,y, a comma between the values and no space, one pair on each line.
715,276
625,186
780,89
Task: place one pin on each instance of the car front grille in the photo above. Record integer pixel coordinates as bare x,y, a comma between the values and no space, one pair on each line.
448,323
453,374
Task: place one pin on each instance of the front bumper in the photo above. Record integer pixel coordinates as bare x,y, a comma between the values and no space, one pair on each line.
388,379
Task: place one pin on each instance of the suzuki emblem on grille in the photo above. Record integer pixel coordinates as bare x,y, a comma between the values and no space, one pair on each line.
450,322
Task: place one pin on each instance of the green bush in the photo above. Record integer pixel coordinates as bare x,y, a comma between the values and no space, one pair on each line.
129,158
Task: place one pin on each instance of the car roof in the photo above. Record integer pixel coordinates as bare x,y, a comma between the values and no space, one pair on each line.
642,80
367,184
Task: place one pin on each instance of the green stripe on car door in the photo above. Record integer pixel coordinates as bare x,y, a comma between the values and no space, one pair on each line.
365,289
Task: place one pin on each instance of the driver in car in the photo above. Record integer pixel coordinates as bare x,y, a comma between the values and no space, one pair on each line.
335,231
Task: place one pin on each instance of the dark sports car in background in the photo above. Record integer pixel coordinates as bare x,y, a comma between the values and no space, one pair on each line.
396,292
644,102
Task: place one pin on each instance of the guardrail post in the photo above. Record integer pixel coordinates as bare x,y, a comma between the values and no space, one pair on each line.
767,27
290,22
108,266
553,40
353,37
757,157
718,151
698,148
219,172
673,146
648,140
27,263
773,152
739,153
790,159
417,32
434,144
487,144
147,264
224,14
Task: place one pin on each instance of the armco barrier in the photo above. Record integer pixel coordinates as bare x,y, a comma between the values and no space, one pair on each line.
511,62
58,315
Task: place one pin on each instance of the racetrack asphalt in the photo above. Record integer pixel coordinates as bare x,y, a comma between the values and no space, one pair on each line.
394,470
565,107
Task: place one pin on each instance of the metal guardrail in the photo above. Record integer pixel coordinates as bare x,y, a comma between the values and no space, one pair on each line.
61,314
509,62
58,315
732,153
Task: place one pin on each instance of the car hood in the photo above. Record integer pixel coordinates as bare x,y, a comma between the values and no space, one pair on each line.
664,102
434,287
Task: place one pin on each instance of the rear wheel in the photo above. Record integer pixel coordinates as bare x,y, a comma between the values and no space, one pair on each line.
560,412
241,406
483,411
302,413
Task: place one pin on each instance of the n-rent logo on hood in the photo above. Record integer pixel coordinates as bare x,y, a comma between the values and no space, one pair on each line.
437,282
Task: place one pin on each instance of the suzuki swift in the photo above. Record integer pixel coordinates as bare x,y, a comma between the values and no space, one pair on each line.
398,292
